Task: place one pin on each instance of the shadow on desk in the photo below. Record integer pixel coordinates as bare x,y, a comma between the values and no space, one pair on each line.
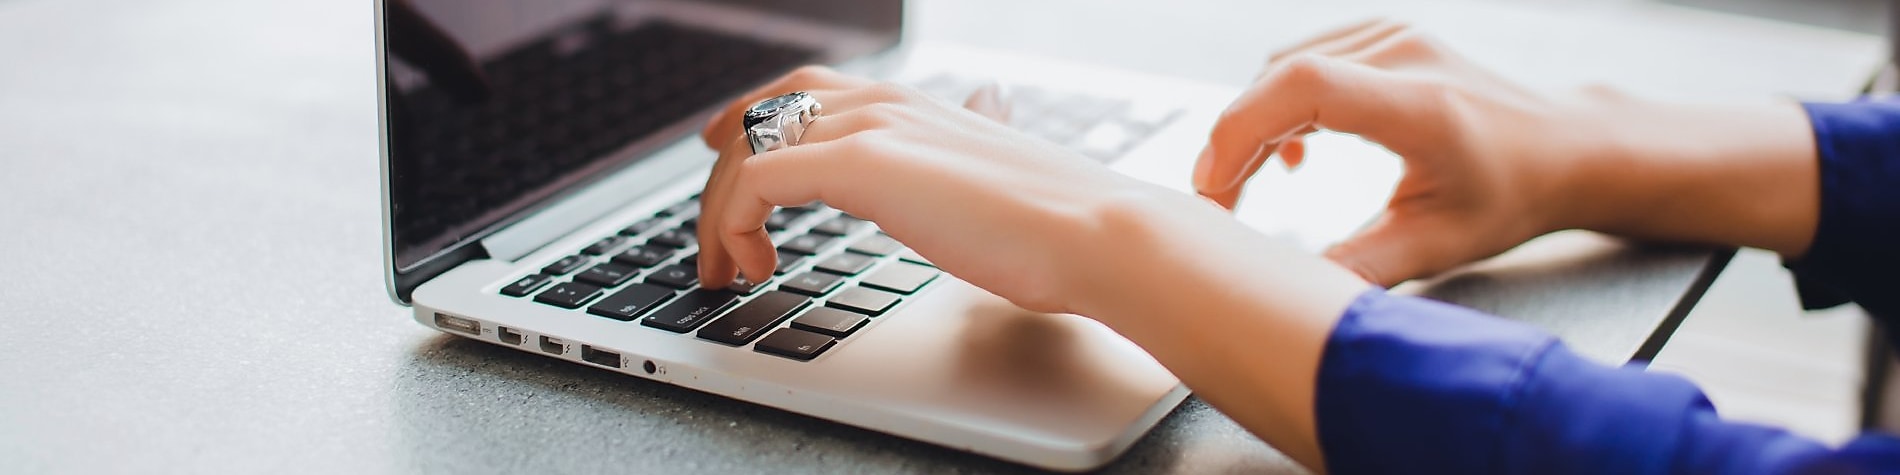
467,406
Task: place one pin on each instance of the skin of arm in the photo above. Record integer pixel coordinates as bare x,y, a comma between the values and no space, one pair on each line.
1243,320
1050,231
1742,175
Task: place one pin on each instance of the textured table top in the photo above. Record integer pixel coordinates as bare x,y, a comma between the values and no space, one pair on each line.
193,264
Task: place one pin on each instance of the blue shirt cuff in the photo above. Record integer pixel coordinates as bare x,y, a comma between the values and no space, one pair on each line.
1852,255
1409,385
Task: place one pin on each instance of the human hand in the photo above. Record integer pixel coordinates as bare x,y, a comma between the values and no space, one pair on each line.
1487,162
997,208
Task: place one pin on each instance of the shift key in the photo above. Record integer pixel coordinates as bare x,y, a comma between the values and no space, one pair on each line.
749,321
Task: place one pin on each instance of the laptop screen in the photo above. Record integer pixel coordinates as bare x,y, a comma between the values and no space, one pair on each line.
494,107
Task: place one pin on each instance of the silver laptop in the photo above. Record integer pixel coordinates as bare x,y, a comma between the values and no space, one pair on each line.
539,187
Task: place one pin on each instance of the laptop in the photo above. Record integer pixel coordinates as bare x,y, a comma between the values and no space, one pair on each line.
540,178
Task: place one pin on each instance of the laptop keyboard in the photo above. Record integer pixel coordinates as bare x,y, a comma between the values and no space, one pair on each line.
1102,128
836,273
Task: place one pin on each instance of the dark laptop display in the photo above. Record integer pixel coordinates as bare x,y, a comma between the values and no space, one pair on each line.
497,106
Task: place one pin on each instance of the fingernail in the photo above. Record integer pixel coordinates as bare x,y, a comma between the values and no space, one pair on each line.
1203,169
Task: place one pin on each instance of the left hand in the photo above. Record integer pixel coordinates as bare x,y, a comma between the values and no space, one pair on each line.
1050,231
997,208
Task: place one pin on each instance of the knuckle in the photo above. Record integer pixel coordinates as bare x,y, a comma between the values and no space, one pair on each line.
1301,70
876,142
810,74
886,92
879,115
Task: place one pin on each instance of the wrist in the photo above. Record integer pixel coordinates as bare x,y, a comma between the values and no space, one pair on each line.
1606,174
1239,317
1743,175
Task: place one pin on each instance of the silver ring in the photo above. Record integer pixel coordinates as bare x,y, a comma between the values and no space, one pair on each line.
781,121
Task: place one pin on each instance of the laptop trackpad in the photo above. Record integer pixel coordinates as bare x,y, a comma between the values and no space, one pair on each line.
967,354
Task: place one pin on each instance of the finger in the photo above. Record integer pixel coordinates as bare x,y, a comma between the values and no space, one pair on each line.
716,268
806,78
1230,197
1396,248
861,110
1309,92
741,211
992,101
1292,152
1327,37
834,101
1344,45
1396,49
789,176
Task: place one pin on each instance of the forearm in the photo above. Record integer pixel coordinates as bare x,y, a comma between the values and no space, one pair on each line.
1735,175
1241,319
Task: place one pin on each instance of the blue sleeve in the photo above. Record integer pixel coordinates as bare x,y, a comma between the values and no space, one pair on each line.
1409,385
1853,256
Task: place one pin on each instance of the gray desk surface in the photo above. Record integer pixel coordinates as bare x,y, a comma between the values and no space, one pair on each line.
192,245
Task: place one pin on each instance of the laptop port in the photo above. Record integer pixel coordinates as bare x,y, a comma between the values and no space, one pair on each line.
600,357
458,324
509,335
553,346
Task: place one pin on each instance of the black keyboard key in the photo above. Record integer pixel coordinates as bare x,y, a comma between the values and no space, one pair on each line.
566,265
795,344
676,238
864,300
901,277
807,244
607,275
690,311
568,295
644,256
815,284
811,207
911,256
838,226
747,322
678,276
603,245
746,287
876,245
691,258
630,303
829,321
846,263
788,261
641,227
526,285
782,218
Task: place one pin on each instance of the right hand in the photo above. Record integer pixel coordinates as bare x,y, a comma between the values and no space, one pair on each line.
1487,162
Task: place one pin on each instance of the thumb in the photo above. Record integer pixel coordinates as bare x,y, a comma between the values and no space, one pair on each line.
1399,247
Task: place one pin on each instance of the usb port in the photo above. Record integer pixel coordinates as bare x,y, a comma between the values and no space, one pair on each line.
459,324
508,335
600,357
553,346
